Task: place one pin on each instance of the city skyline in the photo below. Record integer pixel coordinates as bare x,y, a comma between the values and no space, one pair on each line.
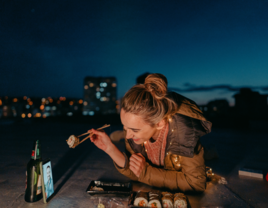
207,50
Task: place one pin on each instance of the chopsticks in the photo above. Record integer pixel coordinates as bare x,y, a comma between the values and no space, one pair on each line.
103,127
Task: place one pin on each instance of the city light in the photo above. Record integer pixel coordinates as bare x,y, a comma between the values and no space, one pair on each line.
85,87
80,101
31,103
24,97
103,84
69,113
38,115
114,85
91,84
71,103
15,100
0,102
42,107
85,103
23,115
29,115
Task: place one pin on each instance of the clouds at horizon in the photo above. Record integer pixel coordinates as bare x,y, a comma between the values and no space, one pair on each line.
224,87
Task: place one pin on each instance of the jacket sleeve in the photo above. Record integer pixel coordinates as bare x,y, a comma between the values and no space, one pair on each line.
190,176
126,171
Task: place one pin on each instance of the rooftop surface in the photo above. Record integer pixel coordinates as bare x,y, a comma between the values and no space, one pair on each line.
74,169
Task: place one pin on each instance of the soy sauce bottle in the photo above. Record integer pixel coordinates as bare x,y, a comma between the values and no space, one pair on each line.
33,191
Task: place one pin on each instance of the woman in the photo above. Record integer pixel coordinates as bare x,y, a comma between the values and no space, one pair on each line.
162,132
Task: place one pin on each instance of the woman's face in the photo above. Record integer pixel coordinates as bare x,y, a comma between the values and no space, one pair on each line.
137,129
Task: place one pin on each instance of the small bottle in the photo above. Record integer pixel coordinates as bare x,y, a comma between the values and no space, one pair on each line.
33,191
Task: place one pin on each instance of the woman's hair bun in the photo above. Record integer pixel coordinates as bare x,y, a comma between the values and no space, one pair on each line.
156,84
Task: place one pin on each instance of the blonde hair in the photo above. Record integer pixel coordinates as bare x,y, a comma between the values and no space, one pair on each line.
150,100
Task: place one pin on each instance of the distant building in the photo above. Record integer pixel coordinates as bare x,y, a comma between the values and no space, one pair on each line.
218,108
250,104
99,95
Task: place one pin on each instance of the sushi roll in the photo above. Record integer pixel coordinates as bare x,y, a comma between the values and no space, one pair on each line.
180,200
155,199
72,141
141,199
167,200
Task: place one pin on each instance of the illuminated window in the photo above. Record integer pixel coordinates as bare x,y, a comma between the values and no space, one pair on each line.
103,84
38,115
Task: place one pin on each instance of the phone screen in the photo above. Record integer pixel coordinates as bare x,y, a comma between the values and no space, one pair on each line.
48,180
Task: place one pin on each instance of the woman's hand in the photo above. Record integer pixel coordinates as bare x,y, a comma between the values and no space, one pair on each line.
137,163
101,140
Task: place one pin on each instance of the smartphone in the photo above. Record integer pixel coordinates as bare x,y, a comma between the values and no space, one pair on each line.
47,180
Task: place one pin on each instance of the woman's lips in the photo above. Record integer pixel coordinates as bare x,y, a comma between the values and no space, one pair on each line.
136,140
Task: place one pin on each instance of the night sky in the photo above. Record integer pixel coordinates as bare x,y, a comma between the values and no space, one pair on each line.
206,49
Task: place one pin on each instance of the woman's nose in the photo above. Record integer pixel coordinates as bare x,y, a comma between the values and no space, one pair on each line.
128,134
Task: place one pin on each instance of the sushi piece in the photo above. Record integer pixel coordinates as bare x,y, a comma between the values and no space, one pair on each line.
155,203
73,141
167,199
180,200
155,199
141,199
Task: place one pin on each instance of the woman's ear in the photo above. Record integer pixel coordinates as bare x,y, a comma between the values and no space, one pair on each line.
161,124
